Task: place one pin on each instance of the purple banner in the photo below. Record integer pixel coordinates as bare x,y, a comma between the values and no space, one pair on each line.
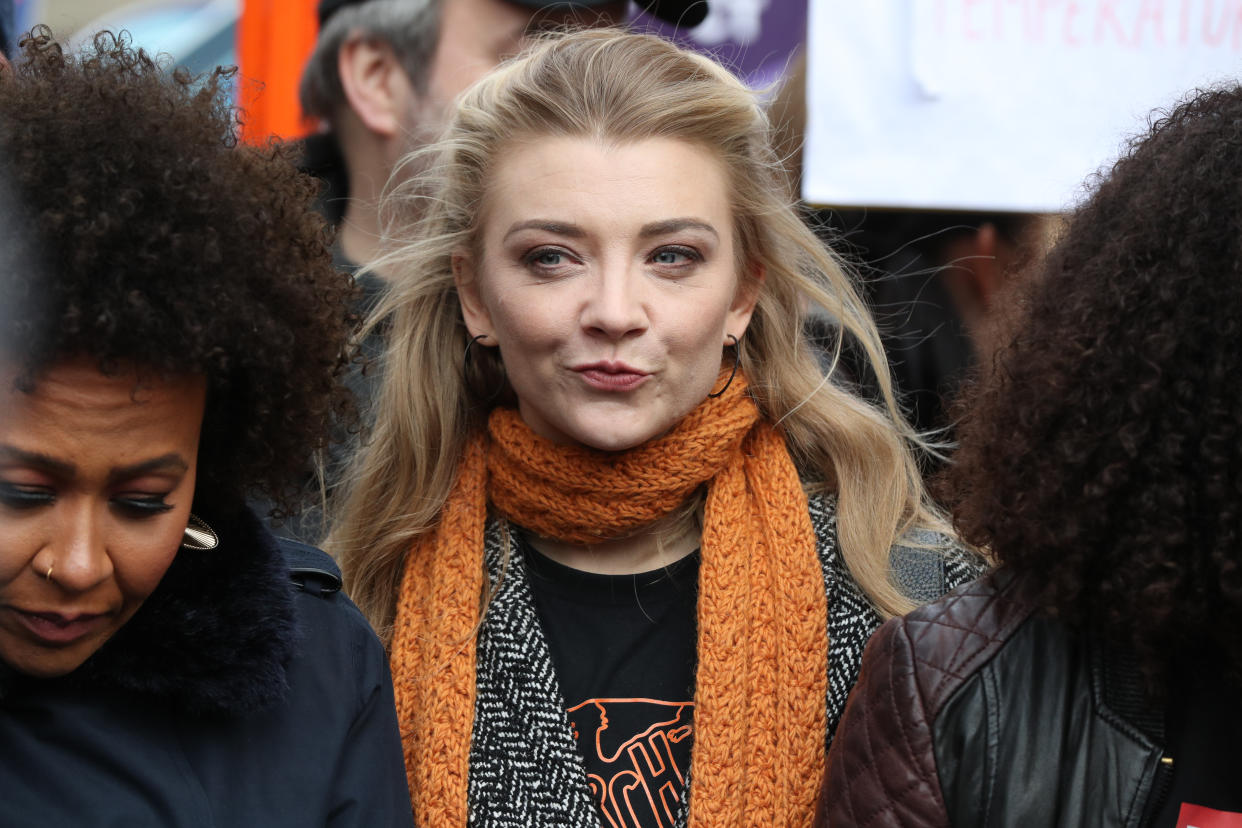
754,38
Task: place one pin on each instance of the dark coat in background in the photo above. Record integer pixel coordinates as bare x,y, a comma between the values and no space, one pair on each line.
247,691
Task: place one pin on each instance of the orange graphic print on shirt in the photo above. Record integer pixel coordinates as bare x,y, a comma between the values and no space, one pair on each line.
632,747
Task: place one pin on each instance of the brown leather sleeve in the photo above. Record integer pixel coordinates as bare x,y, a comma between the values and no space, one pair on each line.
881,769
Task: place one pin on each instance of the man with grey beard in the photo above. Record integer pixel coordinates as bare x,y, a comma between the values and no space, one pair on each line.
384,73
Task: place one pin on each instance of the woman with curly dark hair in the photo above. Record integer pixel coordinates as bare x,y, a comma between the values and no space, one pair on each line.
1094,678
171,339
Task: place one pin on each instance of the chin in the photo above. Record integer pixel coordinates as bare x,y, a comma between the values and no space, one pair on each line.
618,444
616,437
607,430
47,667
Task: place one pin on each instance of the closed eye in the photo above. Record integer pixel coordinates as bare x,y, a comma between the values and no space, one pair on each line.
139,506
17,496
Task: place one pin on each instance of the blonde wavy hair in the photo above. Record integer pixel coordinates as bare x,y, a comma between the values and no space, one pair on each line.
619,87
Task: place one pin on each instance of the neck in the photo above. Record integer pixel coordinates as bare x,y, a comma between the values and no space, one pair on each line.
655,546
368,160
359,234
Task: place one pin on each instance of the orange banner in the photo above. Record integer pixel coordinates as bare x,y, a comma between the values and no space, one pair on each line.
274,39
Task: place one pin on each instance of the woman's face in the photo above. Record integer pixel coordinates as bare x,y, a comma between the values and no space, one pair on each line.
608,277
96,479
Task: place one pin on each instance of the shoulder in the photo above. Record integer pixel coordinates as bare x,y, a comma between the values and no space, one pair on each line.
310,569
336,639
944,642
316,581
913,665
927,564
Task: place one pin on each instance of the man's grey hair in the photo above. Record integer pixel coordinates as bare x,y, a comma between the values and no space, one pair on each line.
411,28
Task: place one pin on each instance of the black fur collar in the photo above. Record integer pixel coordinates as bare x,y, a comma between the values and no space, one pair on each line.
215,636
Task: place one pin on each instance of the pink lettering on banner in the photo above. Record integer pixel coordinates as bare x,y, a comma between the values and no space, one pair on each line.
1197,816
1151,14
1107,23
1131,24
1214,32
968,13
1067,28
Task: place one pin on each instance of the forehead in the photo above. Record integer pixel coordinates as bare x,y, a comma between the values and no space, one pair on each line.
605,186
73,404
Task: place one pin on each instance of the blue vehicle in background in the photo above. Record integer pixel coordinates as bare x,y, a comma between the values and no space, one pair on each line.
197,34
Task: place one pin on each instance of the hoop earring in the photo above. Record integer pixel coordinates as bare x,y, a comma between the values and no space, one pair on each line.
467,374
199,536
737,357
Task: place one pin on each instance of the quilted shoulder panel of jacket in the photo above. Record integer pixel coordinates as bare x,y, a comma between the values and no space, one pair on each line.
954,637
881,769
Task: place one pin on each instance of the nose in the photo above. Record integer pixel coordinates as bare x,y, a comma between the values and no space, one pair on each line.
615,307
79,552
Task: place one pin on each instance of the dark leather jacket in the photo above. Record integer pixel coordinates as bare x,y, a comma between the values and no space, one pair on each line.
978,710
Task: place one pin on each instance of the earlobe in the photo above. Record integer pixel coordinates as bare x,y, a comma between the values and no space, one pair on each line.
744,302
473,308
374,83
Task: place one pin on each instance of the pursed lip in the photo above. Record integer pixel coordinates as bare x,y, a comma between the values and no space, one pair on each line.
53,627
611,375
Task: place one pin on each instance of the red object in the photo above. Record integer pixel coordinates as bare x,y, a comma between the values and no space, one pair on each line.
1197,816
274,39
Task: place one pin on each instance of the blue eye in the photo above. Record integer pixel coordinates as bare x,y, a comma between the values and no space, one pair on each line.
546,258
676,256
16,496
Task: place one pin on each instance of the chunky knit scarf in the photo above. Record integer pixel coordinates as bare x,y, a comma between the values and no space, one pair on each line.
762,652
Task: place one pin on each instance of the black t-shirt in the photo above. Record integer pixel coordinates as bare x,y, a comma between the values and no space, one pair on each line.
623,647
1203,736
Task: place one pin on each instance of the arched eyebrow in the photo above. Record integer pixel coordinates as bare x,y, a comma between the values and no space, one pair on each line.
171,462
663,228
560,228
655,228
37,460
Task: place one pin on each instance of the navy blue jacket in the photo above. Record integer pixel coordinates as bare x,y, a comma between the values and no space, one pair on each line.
247,691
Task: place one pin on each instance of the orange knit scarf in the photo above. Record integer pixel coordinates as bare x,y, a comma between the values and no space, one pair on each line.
762,644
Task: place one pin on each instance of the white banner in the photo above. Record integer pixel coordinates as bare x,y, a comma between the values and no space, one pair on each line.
995,104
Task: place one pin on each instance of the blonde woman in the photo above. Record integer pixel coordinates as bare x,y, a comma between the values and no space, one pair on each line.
617,528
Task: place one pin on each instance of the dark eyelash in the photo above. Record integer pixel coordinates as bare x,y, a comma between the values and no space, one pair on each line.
688,252
143,506
24,497
533,256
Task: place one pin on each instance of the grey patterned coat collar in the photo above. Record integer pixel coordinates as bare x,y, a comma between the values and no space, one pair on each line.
525,769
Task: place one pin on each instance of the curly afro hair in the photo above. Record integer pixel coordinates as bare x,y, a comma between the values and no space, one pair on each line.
1103,454
134,229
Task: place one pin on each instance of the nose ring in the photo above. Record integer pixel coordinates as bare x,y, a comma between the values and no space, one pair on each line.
50,567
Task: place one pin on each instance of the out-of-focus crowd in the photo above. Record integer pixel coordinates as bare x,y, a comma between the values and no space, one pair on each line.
517,449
